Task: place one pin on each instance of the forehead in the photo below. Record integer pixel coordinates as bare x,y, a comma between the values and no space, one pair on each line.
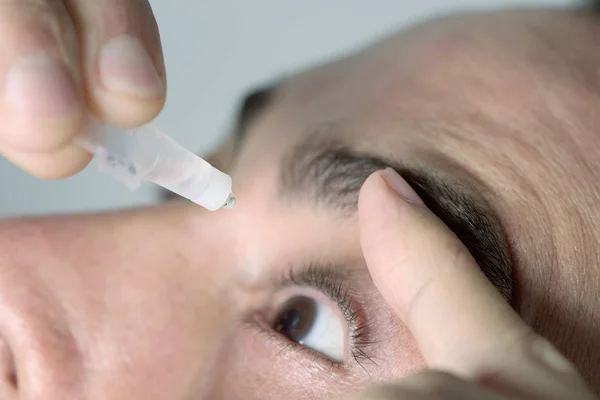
507,100
482,87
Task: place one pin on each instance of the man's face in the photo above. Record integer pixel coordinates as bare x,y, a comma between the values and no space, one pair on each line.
490,118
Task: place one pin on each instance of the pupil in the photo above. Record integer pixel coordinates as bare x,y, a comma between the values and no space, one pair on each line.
296,318
289,321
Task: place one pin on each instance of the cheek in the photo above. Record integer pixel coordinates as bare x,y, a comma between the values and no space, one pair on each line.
259,365
167,337
396,340
134,297
262,367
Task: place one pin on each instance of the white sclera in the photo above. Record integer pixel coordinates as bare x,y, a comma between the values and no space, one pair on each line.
327,334
147,154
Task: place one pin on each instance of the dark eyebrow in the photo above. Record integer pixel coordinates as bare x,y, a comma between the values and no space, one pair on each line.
328,173
251,107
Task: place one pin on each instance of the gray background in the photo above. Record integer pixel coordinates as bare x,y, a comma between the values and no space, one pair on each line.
215,50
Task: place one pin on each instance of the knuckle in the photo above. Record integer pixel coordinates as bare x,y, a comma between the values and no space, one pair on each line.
542,351
33,20
436,383
430,384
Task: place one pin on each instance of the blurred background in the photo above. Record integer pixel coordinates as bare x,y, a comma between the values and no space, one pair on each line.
215,51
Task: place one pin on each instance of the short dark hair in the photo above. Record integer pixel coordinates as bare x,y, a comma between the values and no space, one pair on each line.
252,105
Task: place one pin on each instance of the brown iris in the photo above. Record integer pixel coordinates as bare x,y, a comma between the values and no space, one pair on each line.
296,317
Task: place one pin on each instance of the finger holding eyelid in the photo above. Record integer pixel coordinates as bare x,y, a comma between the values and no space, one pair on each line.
423,270
460,321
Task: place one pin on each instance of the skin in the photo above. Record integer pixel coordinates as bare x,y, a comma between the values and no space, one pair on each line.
63,59
434,285
155,303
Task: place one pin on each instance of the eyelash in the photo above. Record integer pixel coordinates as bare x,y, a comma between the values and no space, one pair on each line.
319,277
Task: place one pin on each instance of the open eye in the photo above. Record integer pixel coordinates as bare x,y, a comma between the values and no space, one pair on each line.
314,324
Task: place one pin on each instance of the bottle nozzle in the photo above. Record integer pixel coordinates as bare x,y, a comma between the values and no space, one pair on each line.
230,202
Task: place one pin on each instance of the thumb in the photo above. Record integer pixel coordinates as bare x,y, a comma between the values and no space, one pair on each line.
459,320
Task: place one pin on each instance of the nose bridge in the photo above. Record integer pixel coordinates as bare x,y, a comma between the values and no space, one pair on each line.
113,305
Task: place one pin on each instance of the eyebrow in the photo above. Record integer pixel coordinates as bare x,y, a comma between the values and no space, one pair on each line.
251,107
328,173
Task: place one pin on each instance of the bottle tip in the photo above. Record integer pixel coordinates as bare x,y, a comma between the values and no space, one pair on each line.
230,202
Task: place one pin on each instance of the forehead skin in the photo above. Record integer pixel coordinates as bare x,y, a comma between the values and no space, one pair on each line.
511,101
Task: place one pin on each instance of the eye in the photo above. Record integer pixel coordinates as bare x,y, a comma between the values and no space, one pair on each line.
314,324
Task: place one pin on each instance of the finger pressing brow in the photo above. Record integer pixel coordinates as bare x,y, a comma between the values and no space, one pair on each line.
429,278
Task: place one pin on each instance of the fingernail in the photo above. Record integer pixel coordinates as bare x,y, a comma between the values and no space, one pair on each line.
545,353
401,187
126,67
39,87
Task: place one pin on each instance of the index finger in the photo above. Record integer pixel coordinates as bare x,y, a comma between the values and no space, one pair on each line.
460,321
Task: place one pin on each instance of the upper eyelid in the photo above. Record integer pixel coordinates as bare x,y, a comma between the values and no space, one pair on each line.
336,291
327,278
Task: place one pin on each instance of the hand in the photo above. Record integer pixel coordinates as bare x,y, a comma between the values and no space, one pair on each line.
62,58
461,324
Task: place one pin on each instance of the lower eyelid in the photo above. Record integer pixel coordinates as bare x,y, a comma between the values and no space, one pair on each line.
282,345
